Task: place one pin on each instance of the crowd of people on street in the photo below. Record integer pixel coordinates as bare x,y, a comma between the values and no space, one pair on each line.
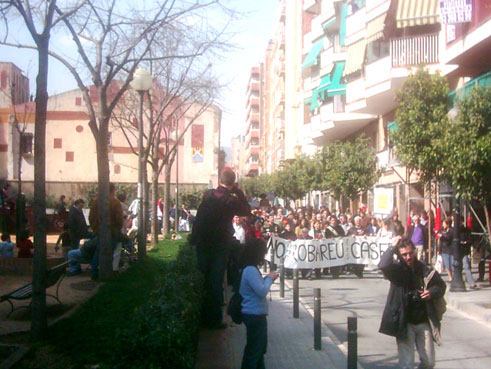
228,234
309,223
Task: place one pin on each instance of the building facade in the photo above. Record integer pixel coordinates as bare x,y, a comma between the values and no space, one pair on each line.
71,160
345,60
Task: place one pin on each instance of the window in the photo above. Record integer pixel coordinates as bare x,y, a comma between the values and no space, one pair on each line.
377,50
69,156
78,101
339,101
3,79
57,143
26,143
117,169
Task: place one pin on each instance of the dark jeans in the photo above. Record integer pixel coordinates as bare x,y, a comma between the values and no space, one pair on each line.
233,269
212,262
257,341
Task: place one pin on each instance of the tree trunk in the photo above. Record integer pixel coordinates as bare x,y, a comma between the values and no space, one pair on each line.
488,221
105,249
39,322
155,198
145,204
165,214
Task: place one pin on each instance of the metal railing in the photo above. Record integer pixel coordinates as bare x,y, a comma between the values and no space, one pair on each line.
414,50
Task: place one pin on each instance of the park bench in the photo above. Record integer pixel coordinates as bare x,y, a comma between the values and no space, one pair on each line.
54,276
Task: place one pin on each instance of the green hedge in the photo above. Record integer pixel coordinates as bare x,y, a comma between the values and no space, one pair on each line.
146,317
167,326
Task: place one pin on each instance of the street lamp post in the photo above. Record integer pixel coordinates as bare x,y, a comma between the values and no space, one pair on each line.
457,284
142,82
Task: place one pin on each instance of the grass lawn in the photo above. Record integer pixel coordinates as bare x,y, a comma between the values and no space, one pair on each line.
89,335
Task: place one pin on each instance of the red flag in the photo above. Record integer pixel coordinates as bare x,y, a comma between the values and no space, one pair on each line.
438,220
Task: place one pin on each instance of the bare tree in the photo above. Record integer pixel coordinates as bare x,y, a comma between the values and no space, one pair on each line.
181,94
40,19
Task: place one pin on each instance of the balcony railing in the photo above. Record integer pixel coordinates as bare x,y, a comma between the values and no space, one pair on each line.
414,50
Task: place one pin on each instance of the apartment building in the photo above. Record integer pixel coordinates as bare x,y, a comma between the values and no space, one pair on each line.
14,86
274,99
359,55
252,132
71,160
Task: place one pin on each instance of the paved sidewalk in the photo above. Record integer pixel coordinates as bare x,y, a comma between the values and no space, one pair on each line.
475,303
290,341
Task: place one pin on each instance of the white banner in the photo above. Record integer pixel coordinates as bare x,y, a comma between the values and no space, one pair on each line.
325,253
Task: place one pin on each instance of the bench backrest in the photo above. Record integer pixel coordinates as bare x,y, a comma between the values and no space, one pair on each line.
54,274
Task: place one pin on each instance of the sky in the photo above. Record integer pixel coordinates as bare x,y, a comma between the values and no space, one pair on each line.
251,32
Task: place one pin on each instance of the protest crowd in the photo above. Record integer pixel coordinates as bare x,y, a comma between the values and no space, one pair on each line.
309,223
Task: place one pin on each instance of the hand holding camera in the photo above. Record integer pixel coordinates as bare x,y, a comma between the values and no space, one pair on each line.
273,275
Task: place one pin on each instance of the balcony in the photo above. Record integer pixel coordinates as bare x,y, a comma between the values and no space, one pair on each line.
310,6
252,168
253,86
356,26
412,51
375,93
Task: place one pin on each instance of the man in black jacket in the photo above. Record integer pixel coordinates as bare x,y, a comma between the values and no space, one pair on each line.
212,235
77,225
411,313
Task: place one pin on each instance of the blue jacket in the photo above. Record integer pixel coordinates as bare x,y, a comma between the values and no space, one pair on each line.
254,288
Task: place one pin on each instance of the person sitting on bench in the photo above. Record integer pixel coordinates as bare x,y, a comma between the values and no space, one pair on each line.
88,252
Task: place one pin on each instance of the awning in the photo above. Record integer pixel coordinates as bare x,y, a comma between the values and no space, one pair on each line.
329,25
324,85
392,126
336,87
417,12
375,28
314,102
311,58
356,57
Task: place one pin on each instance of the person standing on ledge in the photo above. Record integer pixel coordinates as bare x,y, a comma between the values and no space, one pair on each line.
212,236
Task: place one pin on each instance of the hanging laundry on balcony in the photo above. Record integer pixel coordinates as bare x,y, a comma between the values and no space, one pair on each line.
417,12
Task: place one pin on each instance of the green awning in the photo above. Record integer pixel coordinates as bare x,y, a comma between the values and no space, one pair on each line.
336,87
311,58
323,86
392,126
314,102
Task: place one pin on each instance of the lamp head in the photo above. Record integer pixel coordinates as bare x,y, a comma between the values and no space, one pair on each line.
142,80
